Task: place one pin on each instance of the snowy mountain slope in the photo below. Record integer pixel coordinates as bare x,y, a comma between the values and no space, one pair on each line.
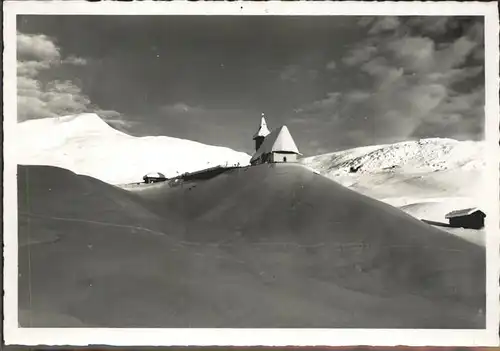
425,178
86,144
426,168
235,251
425,155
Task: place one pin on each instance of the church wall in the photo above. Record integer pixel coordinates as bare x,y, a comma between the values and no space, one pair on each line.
281,157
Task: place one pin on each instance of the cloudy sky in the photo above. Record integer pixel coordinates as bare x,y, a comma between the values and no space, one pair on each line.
336,82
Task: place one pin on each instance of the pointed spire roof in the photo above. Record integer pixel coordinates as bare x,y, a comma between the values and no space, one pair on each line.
279,140
263,130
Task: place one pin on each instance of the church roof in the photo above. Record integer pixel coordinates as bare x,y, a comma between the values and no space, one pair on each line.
279,140
263,130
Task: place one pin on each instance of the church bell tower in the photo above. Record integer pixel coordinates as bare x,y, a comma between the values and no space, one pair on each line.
261,133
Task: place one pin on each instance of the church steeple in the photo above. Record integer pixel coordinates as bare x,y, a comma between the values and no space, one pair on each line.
261,134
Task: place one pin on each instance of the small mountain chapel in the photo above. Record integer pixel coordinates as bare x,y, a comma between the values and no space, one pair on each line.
277,146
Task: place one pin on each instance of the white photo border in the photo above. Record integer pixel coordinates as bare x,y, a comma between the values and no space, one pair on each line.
14,335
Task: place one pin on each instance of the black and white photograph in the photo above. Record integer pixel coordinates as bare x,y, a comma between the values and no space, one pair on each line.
253,170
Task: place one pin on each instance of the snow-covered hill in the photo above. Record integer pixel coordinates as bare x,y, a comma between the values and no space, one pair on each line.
86,144
425,178
235,251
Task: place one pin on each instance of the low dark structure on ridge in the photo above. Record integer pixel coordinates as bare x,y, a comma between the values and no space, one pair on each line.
472,218
204,174
154,177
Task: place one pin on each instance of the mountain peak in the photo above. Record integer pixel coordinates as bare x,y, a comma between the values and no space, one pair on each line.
86,144
67,127
81,116
85,122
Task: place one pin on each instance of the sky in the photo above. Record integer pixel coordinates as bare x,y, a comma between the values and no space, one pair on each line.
337,82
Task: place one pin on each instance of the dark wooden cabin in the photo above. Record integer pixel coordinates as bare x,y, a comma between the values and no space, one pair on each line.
472,218
154,177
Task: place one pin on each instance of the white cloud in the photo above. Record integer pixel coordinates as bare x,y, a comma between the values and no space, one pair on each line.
290,73
116,120
27,86
413,53
432,24
297,73
55,98
418,82
357,96
331,101
386,23
181,107
37,98
76,61
36,47
31,68
331,65
456,53
359,54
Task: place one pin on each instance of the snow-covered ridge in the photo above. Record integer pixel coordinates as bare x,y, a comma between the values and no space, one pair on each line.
426,178
425,155
86,144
